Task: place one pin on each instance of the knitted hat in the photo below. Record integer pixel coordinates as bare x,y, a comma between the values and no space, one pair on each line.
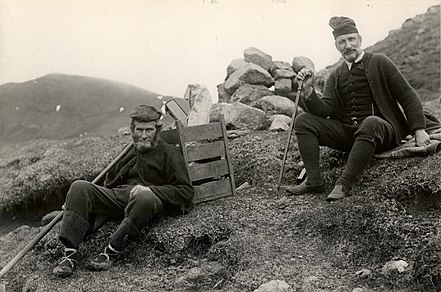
145,113
342,25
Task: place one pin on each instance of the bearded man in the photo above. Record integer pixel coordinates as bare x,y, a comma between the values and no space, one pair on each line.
367,107
151,180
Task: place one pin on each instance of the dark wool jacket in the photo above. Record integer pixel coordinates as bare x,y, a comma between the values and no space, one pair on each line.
396,99
163,169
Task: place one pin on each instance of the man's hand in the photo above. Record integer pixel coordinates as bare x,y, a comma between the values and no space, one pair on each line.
136,190
306,76
421,138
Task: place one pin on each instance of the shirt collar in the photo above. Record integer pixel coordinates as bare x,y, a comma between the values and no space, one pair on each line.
356,60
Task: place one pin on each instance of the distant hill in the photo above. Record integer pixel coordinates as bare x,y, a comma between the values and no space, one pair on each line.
415,49
62,106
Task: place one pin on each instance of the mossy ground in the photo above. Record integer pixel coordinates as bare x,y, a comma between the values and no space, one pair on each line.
242,242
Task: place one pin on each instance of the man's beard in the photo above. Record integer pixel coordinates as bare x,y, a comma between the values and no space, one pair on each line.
143,145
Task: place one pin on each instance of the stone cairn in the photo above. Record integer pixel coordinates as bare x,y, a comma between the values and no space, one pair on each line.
259,93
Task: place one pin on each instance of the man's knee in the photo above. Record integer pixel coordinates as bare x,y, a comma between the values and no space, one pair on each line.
373,129
303,122
371,126
147,200
79,190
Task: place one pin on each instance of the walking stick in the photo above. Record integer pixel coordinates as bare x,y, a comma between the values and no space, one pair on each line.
54,221
296,105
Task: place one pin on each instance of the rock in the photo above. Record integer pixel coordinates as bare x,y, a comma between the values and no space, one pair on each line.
273,286
282,118
281,69
203,273
298,63
278,125
217,109
283,86
275,104
364,273
235,65
258,57
124,131
359,290
250,73
280,73
49,217
248,93
222,94
239,116
200,104
394,265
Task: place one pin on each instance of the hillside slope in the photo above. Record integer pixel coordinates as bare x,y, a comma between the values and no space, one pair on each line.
86,106
415,49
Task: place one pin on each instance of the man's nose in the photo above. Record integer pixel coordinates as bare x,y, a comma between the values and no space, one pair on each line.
144,134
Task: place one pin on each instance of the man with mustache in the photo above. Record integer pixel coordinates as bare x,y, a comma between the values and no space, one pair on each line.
151,180
367,107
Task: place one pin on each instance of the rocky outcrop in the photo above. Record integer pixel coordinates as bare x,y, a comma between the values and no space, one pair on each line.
239,116
264,84
251,74
200,103
248,93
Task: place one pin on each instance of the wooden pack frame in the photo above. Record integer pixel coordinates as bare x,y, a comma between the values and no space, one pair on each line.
178,109
207,155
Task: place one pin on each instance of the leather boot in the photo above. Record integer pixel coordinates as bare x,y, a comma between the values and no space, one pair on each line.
305,188
67,264
337,193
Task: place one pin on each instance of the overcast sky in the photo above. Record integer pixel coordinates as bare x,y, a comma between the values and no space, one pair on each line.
164,45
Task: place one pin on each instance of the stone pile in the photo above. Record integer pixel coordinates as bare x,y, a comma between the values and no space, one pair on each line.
259,93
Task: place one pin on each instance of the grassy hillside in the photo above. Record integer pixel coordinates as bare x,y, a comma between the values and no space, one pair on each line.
238,243
87,106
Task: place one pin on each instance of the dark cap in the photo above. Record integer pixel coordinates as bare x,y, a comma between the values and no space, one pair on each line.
145,113
342,25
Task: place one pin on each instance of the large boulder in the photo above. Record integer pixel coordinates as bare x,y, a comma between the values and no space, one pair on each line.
248,93
222,94
200,104
235,65
275,104
258,57
281,69
298,63
239,116
283,86
251,74
279,123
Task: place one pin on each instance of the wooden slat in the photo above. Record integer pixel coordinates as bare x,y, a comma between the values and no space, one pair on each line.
201,132
227,154
208,170
170,136
212,190
204,151
176,111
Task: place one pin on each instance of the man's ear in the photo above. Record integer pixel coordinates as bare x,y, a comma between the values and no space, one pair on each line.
159,126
